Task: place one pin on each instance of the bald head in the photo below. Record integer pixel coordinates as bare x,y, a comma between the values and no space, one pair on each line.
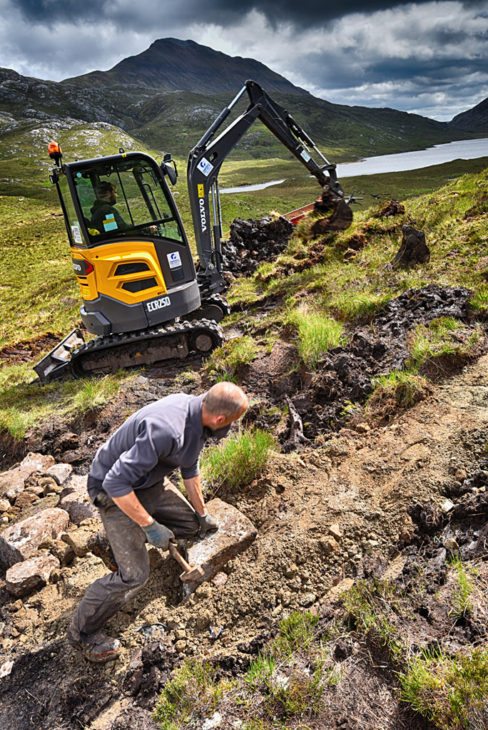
226,400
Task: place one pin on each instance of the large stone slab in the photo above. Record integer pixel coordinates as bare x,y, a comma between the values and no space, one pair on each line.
12,481
20,541
236,532
23,578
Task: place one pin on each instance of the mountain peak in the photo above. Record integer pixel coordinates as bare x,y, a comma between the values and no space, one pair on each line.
172,64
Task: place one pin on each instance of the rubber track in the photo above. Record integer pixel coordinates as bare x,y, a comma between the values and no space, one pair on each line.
117,342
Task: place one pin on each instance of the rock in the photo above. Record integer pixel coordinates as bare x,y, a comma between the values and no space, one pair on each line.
4,505
307,599
82,540
335,531
447,506
78,510
180,645
75,500
60,472
220,579
234,535
12,481
25,499
328,545
21,540
344,585
24,578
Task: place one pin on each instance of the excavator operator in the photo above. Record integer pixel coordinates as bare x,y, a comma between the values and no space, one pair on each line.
105,216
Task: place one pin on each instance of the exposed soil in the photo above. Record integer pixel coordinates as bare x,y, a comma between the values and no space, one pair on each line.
382,489
27,350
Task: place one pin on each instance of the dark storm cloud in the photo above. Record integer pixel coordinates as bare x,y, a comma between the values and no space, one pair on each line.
302,13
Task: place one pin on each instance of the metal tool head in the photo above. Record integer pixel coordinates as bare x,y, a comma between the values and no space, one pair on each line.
195,574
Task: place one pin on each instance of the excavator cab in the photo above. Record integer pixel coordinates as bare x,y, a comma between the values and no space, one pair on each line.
129,250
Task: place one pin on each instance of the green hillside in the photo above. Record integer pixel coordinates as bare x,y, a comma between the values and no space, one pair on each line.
39,295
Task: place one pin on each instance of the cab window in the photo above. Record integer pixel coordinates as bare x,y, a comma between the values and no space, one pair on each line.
123,198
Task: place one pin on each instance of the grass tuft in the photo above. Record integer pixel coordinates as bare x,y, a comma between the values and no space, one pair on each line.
449,691
461,600
317,333
239,460
192,695
226,361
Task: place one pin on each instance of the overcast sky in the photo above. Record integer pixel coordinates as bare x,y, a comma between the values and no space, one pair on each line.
424,57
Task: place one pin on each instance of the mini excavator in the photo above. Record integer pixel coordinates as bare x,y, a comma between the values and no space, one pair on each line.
142,297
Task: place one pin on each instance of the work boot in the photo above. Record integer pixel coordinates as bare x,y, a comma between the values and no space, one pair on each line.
96,647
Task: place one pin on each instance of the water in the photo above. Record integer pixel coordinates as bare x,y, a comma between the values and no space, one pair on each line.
466,149
251,188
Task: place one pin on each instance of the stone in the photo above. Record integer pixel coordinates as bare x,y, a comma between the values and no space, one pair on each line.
82,540
447,506
307,599
24,578
25,499
220,580
236,532
12,481
180,645
60,472
78,510
328,545
4,505
21,540
344,585
335,531
75,500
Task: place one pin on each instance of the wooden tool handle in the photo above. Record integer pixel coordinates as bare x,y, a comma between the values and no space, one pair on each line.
175,553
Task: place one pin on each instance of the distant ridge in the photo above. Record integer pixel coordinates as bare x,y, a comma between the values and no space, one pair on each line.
169,94
473,120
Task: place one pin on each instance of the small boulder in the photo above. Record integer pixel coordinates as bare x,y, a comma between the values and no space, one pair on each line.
24,578
60,472
21,540
12,481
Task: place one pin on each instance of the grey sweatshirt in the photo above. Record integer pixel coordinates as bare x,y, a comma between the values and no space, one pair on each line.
152,442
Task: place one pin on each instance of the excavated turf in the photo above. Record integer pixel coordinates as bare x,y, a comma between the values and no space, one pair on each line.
254,241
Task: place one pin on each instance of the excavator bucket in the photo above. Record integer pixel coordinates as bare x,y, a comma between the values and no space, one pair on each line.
337,213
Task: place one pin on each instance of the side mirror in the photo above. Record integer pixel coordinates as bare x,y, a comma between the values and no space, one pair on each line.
166,169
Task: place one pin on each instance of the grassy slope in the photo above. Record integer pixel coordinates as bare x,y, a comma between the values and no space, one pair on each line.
38,293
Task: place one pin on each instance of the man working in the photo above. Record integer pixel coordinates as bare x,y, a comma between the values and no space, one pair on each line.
105,216
128,483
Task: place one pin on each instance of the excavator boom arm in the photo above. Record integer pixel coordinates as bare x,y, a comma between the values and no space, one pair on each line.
206,158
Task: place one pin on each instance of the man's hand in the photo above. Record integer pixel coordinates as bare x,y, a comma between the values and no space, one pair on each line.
158,535
207,524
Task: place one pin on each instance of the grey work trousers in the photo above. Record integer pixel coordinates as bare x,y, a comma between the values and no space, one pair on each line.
108,594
